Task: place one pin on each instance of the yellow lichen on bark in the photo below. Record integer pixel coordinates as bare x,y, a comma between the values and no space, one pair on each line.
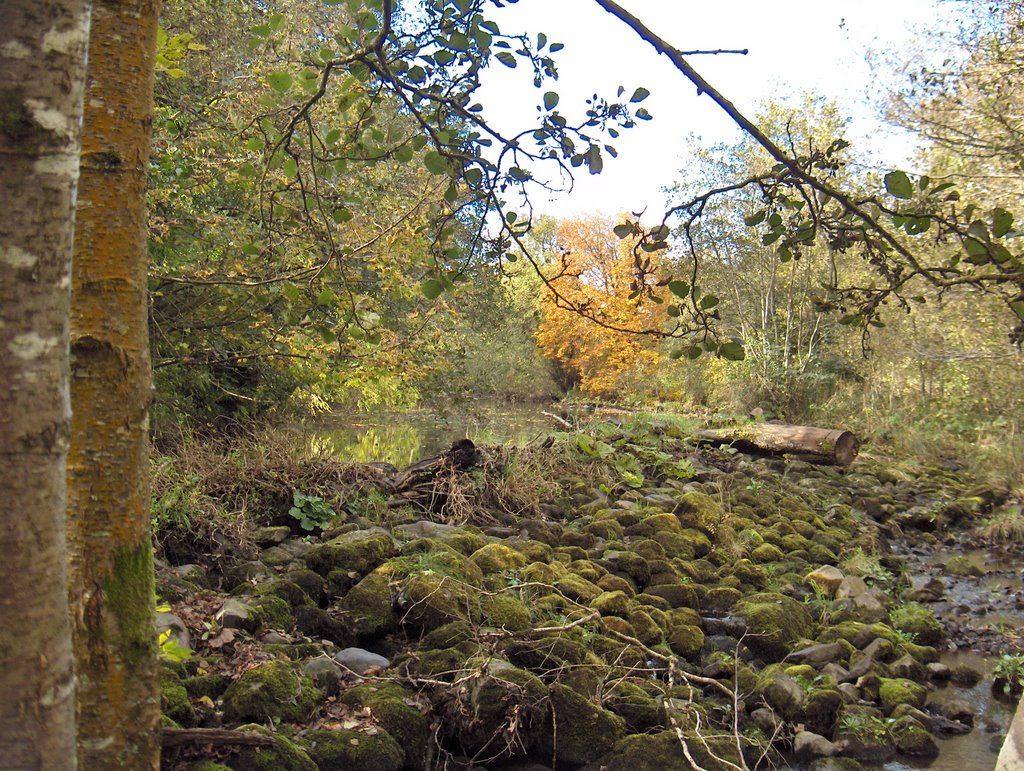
108,487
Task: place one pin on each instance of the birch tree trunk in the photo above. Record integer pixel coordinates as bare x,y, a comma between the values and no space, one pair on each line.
42,71
111,567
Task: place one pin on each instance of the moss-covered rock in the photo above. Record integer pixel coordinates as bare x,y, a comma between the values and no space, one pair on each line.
628,564
344,750
686,641
895,691
822,709
546,653
581,731
274,690
920,622
677,595
430,600
695,542
498,558
282,755
913,739
577,588
174,700
543,573
505,612
721,598
700,511
961,566
611,604
650,526
359,551
774,622
370,604
642,711
506,702
766,553
289,591
210,686
390,705
661,752
645,628
269,612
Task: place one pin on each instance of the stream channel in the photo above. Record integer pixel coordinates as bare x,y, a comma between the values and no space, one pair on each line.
983,613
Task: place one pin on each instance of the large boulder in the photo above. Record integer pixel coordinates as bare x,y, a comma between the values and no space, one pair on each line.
274,690
774,622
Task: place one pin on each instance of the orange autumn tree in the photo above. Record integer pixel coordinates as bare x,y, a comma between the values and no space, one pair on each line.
597,292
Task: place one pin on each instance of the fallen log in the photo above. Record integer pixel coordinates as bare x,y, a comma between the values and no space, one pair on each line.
181,737
820,445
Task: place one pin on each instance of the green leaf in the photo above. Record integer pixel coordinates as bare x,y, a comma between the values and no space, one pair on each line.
639,95
550,100
1002,221
624,230
507,59
708,302
977,252
290,168
732,351
279,81
898,184
755,219
404,154
332,136
326,297
679,288
435,162
556,47
431,288
341,215
473,176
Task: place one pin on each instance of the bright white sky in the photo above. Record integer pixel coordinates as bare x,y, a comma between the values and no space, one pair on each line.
795,46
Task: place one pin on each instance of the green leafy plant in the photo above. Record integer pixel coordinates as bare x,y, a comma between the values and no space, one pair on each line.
311,511
1008,674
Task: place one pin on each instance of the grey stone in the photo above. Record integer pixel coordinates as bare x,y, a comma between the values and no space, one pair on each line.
827,578
808,745
817,655
270,536
166,621
937,671
784,695
907,667
234,613
958,710
361,661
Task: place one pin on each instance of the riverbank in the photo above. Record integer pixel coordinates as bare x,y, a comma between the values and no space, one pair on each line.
617,597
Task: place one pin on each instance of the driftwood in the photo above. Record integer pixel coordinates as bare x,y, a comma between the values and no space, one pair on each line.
424,482
820,445
183,737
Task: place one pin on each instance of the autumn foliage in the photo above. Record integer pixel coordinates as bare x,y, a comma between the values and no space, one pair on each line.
594,274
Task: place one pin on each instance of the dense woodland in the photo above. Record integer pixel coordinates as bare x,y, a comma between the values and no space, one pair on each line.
269,210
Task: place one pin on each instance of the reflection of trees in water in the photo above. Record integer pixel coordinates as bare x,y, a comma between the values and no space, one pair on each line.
400,444
404,438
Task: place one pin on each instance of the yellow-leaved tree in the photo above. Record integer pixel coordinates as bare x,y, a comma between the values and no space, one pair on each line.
601,289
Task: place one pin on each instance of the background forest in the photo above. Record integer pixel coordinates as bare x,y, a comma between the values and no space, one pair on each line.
358,276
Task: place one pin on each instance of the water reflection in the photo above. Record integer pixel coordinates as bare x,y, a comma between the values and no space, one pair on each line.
402,438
